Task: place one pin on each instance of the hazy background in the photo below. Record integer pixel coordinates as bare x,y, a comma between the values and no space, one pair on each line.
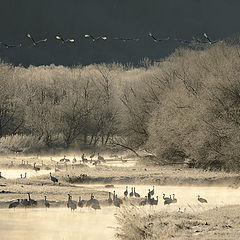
135,18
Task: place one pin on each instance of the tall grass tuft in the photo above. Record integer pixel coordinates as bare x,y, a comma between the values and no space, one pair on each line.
138,224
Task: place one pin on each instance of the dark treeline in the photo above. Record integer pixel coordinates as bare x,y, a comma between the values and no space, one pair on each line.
187,106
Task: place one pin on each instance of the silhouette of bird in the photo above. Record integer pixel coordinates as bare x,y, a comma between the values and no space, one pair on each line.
25,175
157,39
62,159
74,160
95,38
10,46
209,40
117,201
110,201
14,204
69,200
153,201
81,202
202,200
83,158
35,43
144,201
53,179
126,192
174,200
92,201
25,202
168,201
36,168
149,194
46,203
135,193
131,193
64,40
72,204
123,160
31,201
152,192
95,163
95,206
164,197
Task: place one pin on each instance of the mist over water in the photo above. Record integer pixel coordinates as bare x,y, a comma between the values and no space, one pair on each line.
15,173
58,223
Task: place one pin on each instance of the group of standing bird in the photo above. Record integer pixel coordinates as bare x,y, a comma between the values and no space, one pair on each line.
100,159
24,202
92,202
36,43
113,199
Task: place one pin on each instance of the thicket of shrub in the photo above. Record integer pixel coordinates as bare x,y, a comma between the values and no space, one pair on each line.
186,106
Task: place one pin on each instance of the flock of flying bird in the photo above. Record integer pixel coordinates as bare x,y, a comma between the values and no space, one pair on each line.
93,203
105,38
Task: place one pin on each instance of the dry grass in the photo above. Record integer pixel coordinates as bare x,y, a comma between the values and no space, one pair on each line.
218,223
16,142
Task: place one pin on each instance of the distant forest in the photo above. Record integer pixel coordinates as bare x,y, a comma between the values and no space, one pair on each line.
186,106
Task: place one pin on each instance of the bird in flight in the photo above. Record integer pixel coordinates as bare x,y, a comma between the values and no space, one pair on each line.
126,39
64,40
95,38
10,46
209,40
35,43
157,39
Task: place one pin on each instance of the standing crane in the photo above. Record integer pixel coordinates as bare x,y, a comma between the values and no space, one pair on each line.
131,193
14,204
126,192
135,193
174,200
35,168
110,201
202,200
144,201
152,192
53,179
31,201
46,203
81,202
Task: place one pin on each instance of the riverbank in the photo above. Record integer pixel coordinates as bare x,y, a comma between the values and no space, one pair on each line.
218,223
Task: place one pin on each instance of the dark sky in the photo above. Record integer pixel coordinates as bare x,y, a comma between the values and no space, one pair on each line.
128,18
